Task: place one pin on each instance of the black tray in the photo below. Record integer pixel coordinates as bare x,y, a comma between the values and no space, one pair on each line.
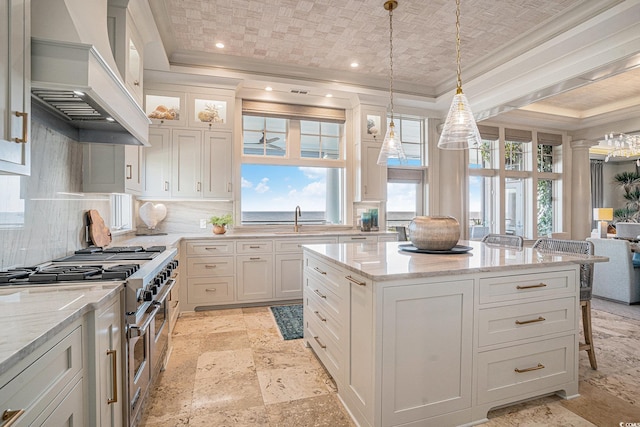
457,249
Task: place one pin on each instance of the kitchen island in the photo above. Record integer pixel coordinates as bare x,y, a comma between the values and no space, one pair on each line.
418,339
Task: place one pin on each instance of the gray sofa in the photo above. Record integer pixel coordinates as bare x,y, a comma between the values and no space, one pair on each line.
617,279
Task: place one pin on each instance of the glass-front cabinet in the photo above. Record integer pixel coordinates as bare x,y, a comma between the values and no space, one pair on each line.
210,111
165,108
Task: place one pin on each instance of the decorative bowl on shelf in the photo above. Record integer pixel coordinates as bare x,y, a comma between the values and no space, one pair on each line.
435,233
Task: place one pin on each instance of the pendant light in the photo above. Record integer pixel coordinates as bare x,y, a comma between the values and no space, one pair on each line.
460,130
391,145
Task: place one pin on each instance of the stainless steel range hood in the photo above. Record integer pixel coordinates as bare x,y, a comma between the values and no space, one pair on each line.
74,75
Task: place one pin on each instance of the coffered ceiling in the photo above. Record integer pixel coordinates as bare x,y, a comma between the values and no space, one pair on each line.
516,54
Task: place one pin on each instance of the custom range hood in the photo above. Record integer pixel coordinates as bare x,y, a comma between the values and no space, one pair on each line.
75,78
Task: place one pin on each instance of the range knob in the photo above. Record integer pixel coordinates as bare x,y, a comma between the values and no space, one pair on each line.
157,281
147,296
154,289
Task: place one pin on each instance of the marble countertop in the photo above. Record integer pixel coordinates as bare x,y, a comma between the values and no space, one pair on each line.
32,315
385,261
174,239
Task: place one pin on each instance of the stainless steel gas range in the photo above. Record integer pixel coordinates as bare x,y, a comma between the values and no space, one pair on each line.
148,275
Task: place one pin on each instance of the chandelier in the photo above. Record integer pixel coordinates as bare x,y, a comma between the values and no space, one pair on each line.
623,146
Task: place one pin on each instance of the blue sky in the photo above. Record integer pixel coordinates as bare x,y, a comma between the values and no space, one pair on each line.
281,188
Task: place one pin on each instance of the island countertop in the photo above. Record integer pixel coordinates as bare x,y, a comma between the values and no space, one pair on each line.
386,261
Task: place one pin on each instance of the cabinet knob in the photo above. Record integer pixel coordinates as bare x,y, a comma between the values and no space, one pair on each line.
136,83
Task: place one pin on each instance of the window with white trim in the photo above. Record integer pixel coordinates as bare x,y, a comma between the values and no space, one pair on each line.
292,156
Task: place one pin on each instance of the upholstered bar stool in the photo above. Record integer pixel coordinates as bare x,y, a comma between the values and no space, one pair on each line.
586,285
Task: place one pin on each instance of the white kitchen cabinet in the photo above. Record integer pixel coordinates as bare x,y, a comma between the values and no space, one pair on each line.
442,350
108,168
186,163
218,165
15,90
157,164
126,46
255,277
373,178
45,383
108,358
213,111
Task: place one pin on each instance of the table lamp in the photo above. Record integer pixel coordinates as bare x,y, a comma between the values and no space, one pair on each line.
602,215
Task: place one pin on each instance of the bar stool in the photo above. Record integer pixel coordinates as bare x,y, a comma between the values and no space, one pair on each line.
586,285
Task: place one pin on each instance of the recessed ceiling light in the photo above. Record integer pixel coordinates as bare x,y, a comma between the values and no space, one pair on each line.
354,65
268,88
329,95
110,119
219,45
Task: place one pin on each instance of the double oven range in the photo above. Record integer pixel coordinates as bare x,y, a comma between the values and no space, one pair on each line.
148,274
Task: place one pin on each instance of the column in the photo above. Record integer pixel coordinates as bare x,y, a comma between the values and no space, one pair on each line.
581,214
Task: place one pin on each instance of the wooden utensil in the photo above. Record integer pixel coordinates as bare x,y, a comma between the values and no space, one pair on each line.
99,233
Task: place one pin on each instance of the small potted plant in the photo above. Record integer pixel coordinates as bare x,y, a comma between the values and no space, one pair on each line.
220,223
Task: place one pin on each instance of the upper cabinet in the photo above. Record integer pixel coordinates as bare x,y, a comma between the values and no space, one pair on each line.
165,108
210,111
108,168
15,96
370,178
127,48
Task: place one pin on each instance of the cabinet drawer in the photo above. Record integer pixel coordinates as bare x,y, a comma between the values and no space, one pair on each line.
210,266
38,384
209,248
326,350
527,320
295,245
315,307
254,247
358,239
526,370
520,286
210,290
328,300
331,278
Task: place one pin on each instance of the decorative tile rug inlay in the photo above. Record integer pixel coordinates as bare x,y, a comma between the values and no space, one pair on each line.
289,320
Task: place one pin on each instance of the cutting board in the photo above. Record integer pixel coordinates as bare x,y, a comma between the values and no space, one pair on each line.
99,233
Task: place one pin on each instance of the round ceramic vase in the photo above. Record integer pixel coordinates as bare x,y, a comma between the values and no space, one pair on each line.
434,233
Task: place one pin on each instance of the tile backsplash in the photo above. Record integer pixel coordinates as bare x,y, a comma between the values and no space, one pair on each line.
41,216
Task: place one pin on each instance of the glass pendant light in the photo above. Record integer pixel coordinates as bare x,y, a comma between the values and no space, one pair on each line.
460,130
391,145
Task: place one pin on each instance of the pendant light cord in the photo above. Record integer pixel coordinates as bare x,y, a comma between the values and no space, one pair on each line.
391,59
458,70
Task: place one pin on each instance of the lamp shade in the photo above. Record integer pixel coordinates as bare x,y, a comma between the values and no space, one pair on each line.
460,130
603,214
391,147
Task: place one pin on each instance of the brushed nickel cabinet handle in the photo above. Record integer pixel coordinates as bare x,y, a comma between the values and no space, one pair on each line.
166,186
228,187
319,342
319,271
539,285
319,294
129,172
254,247
324,319
210,266
254,258
114,375
25,127
357,282
358,238
533,368
210,290
525,322
11,416
210,249
198,186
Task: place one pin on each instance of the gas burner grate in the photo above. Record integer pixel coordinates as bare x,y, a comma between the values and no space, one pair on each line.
119,271
65,273
17,273
121,249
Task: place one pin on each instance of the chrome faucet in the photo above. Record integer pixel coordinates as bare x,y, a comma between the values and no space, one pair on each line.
296,213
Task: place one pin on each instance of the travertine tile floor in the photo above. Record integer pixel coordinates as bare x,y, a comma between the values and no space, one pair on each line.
232,368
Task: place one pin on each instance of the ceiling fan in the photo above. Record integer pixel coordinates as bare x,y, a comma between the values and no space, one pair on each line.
268,142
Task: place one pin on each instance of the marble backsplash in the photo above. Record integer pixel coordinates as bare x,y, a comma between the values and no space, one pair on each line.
185,216
41,216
